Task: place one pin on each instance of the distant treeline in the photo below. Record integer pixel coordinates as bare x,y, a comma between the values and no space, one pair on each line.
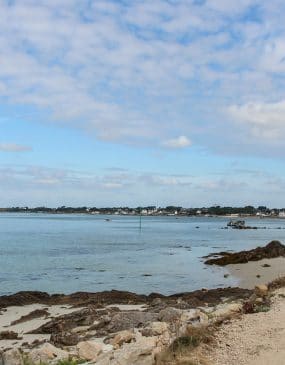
214,210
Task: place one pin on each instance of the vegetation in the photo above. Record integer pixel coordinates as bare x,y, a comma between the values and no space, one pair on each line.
169,210
184,350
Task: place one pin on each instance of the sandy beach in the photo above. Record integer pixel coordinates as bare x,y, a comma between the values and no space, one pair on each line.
257,272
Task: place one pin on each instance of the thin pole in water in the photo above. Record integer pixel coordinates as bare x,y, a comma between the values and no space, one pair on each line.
140,220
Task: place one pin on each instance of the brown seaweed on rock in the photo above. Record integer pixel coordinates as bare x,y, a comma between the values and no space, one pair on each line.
271,250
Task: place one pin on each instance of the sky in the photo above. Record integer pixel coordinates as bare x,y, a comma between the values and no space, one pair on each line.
142,102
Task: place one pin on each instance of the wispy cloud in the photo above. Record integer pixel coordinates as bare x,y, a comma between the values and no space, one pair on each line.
179,142
13,147
100,67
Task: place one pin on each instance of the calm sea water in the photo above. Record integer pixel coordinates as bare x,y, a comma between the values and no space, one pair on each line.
68,253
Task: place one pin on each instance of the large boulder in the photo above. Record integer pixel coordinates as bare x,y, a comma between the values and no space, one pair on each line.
47,353
12,357
137,353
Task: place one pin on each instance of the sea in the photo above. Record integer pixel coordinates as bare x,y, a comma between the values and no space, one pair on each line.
163,254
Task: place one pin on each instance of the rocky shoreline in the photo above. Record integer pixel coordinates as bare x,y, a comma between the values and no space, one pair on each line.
124,328
110,327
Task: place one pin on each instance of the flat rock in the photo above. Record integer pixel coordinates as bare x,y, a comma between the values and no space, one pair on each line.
89,350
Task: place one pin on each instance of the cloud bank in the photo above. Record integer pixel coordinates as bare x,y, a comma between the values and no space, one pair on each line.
140,72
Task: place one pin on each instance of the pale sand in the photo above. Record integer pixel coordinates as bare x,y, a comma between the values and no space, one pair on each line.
246,273
255,339
128,307
14,313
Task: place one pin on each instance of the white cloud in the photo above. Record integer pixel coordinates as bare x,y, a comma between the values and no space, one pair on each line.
125,78
13,147
266,120
179,142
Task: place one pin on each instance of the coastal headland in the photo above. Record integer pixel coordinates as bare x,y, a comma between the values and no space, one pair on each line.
219,326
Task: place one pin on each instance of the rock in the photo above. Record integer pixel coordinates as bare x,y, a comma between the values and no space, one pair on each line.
122,337
169,314
9,335
227,309
155,329
64,339
261,290
195,317
32,315
12,357
80,329
127,320
65,323
273,249
47,353
136,353
89,350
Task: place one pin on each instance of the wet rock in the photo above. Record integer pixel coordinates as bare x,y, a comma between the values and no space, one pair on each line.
89,350
122,337
272,250
12,357
64,339
47,353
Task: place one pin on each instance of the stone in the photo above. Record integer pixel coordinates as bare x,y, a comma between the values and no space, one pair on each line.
122,337
261,290
169,314
64,339
195,317
135,353
155,329
9,335
12,357
89,350
47,353
80,329
227,309
127,320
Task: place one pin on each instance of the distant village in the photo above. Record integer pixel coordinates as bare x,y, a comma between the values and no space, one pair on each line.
261,211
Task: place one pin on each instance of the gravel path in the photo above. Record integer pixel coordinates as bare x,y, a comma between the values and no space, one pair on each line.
255,339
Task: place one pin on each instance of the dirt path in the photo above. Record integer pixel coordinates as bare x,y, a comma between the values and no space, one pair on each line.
256,339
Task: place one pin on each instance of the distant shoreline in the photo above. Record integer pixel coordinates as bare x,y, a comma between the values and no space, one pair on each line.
146,215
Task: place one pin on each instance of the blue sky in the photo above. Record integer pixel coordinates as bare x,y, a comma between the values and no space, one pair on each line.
106,102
